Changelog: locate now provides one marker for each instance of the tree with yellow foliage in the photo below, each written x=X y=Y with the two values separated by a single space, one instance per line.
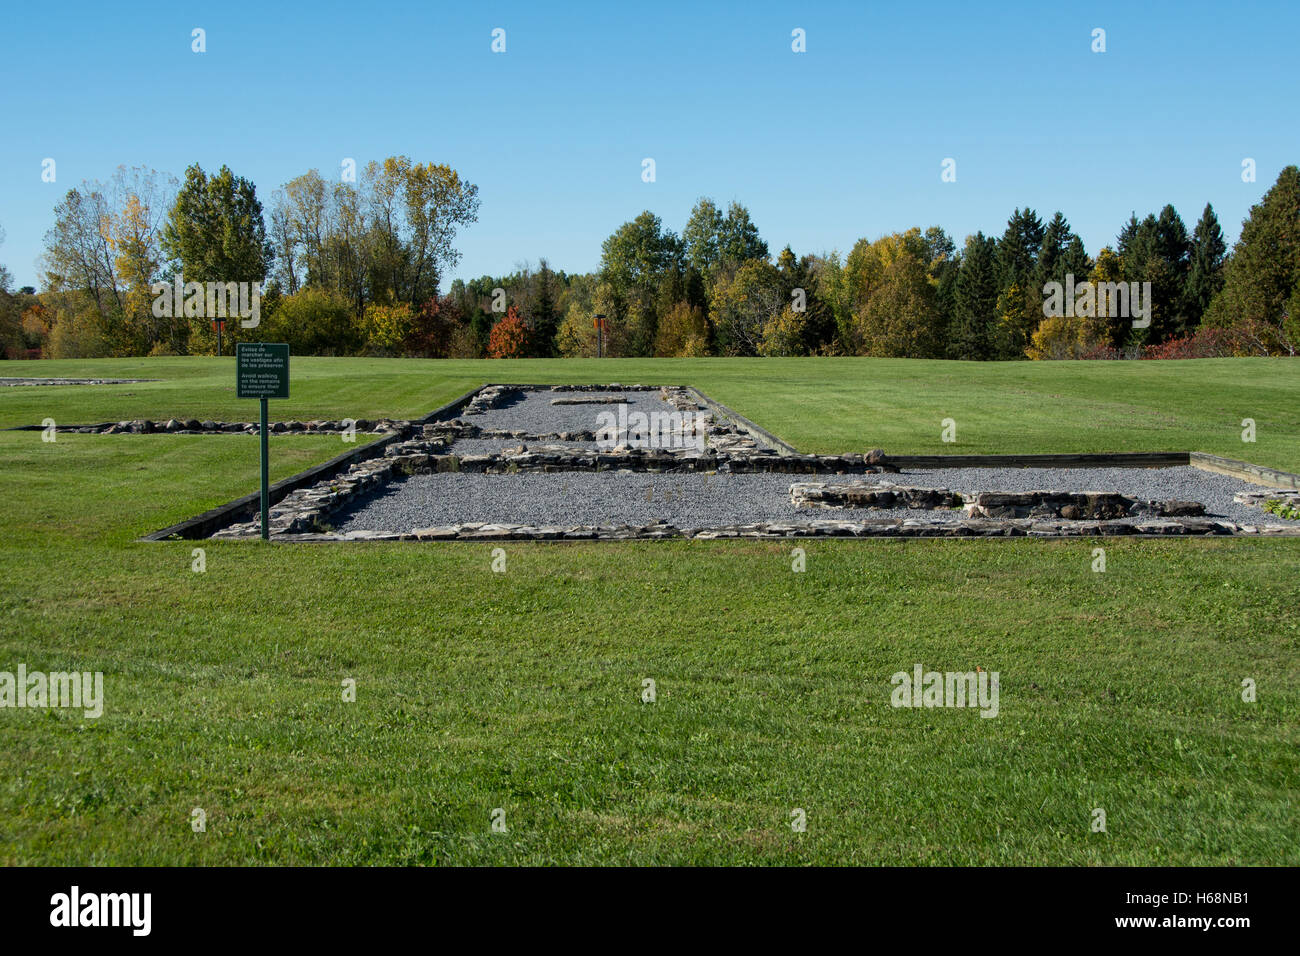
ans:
x=683 y=332
x=386 y=327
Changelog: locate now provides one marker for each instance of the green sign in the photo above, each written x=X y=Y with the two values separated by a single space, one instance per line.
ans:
x=262 y=370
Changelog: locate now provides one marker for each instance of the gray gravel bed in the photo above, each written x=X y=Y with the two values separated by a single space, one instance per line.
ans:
x=1182 y=483
x=535 y=414
x=699 y=500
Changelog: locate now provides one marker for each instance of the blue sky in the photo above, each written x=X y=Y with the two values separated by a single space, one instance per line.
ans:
x=843 y=141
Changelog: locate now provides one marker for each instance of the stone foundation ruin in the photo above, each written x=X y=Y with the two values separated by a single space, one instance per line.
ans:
x=498 y=452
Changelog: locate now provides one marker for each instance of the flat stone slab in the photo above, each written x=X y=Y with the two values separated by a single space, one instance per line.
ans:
x=1279 y=502
x=863 y=494
x=1075 y=505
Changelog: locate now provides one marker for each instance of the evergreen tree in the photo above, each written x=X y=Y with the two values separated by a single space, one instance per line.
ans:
x=1018 y=250
x=1124 y=241
x=1263 y=272
x=1020 y=296
x=1173 y=249
x=1205 y=277
x=545 y=315
x=1051 y=254
x=1158 y=250
x=1075 y=261
x=975 y=300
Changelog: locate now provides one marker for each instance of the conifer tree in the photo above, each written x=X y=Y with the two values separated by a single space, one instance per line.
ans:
x=975 y=300
x=1263 y=273
x=1018 y=250
x=1205 y=277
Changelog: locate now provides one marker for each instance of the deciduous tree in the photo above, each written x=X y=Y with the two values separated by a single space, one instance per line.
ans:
x=510 y=337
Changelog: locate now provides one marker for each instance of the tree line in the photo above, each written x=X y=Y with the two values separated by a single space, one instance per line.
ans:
x=357 y=268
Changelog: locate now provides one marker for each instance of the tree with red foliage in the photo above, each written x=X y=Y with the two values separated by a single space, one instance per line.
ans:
x=510 y=337
x=433 y=326
x=1205 y=342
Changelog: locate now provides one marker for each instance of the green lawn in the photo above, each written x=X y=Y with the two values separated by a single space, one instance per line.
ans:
x=842 y=404
x=521 y=690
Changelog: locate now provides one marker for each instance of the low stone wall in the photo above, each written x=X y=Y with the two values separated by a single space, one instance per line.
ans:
x=29 y=382
x=612 y=387
x=307 y=510
x=761 y=437
x=870 y=495
x=880 y=528
x=192 y=426
x=246 y=508
x=458 y=428
x=493 y=396
x=1260 y=498
x=1072 y=506
x=419 y=458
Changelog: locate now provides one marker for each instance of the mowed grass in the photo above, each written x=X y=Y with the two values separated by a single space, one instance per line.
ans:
x=523 y=690
x=819 y=405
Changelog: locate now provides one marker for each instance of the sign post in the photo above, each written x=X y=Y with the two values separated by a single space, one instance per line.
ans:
x=262 y=372
x=266 y=474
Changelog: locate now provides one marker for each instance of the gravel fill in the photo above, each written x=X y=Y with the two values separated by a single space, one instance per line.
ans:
x=702 y=501
x=535 y=414
x=1181 y=483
